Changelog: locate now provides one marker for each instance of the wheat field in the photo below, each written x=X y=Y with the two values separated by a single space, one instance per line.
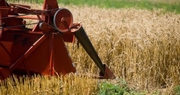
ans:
x=140 y=46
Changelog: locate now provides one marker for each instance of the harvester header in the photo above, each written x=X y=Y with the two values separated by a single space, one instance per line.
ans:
x=41 y=49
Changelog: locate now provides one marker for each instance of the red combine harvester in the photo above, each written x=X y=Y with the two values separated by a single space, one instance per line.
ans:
x=41 y=49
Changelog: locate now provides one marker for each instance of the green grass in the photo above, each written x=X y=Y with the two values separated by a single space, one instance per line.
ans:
x=139 y=4
x=177 y=90
x=120 y=88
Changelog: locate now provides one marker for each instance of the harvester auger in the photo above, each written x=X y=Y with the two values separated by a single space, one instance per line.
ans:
x=41 y=49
